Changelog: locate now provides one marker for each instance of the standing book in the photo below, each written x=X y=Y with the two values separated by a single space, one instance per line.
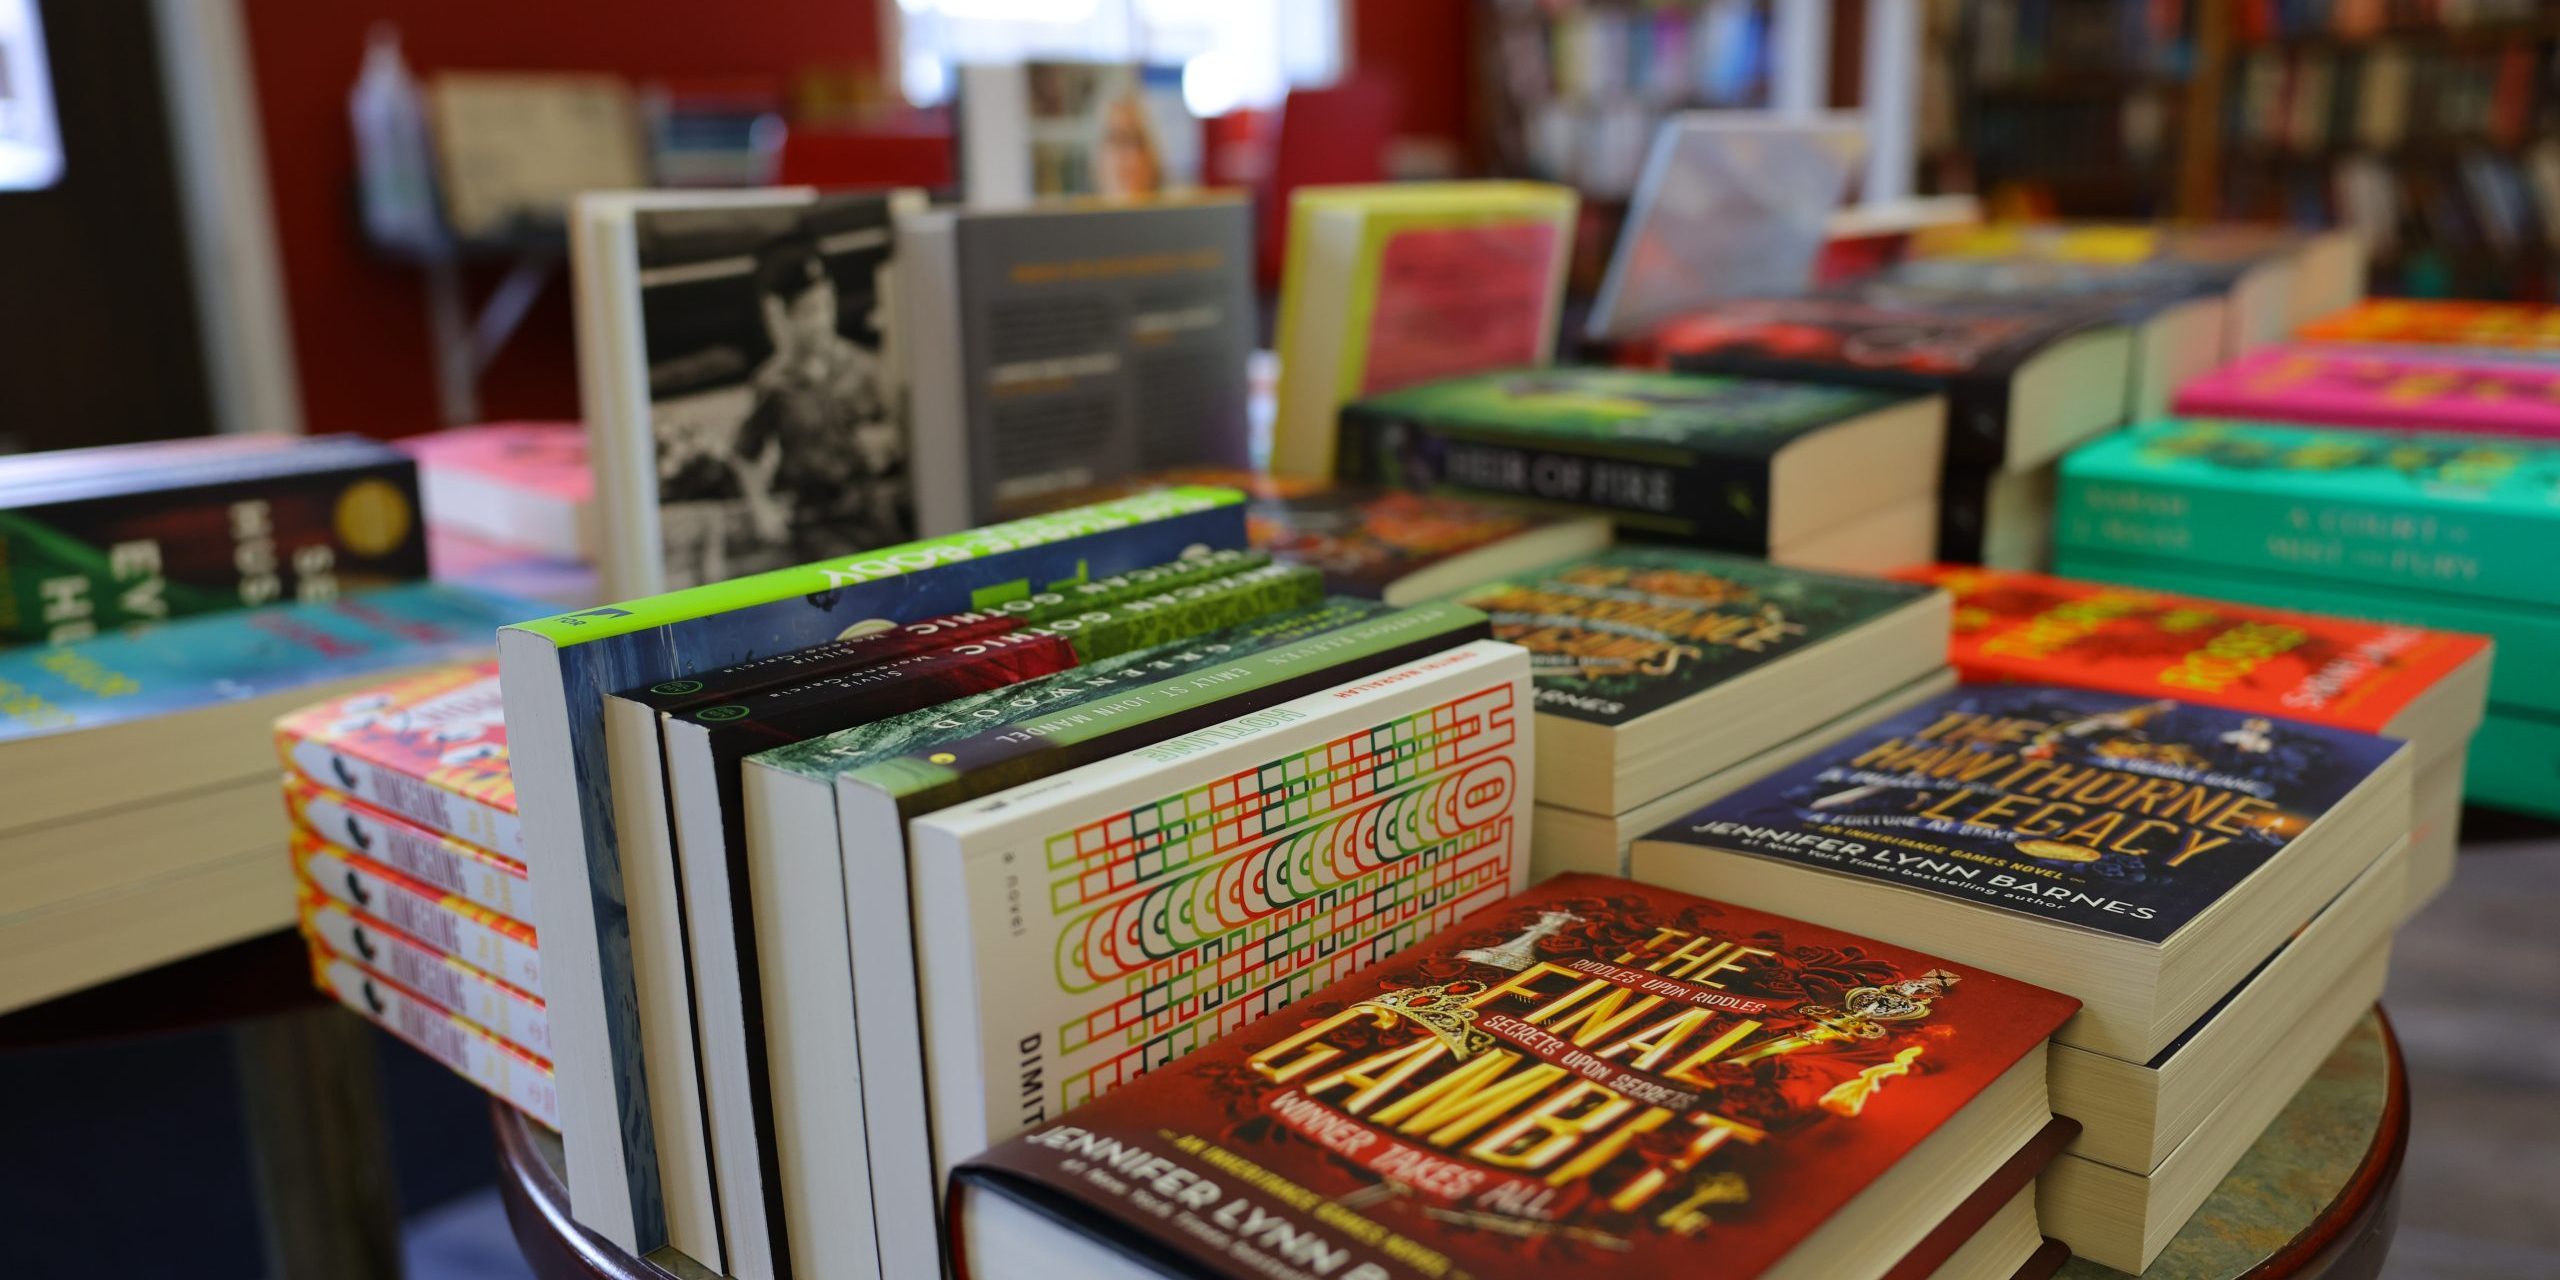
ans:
x=1594 y=1077
x=743 y=380
x=2142 y=855
x=1387 y=286
x=558 y=671
x=1823 y=476
x=1060 y=348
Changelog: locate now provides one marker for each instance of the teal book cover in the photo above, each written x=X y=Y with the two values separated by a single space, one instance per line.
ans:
x=1682 y=454
x=2460 y=515
x=1632 y=630
x=2525 y=671
x=226 y=657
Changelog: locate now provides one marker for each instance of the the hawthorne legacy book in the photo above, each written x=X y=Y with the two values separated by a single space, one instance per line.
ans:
x=2439 y=514
x=1657 y=666
x=855 y=793
x=2428 y=687
x=557 y=674
x=1802 y=473
x=2147 y=853
x=2388 y=387
x=1594 y=1077
x=1055 y=349
x=93 y=540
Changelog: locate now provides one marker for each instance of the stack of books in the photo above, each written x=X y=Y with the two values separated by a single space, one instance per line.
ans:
x=2419 y=528
x=1591 y=1078
x=904 y=852
x=141 y=826
x=2217 y=888
x=410 y=862
x=511 y=505
x=2427 y=687
x=1666 y=678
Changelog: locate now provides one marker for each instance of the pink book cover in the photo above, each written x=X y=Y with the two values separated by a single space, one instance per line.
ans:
x=2366 y=387
x=549 y=458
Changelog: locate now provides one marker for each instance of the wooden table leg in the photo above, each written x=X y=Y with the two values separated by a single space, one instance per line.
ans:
x=311 y=1096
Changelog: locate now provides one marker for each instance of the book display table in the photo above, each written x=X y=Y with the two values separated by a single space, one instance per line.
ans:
x=2316 y=1196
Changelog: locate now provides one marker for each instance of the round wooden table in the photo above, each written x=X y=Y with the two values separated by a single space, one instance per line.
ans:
x=2322 y=1183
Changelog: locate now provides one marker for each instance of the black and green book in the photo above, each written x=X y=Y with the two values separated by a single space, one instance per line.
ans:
x=827 y=823
x=1750 y=465
x=1656 y=666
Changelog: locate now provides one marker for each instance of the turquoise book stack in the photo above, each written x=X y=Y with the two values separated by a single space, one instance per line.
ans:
x=2455 y=532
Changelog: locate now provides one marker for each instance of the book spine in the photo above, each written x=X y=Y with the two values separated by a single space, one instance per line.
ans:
x=2515 y=763
x=439 y=861
x=502 y=948
x=71 y=569
x=504 y=1072
x=1713 y=502
x=1978 y=420
x=1964 y=512
x=404 y=795
x=511 y=1015
x=2444 y=548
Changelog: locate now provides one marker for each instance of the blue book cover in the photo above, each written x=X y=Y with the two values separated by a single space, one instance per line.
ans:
x=226 y=657
x=2114 y=813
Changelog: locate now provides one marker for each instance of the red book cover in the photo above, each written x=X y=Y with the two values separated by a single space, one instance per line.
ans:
x=468 y=872
x=2300 y=666
x=430 y=748
x=1594 y=1077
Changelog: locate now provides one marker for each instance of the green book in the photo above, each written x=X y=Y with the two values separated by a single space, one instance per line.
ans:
x=2525 y=672
x=827 y=857
x=1656 y=666
x=2458 y=515
x=2515 y=762
x=1741 y=464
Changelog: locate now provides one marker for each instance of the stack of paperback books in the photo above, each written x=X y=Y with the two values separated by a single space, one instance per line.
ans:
x=141 y=824
x=411 y=865
x=2217 y=888
x=1666 y=678
x=1591 y=1078
x=511 y=505
x=2445 y=531
x=2427 y=687
x=847 y=871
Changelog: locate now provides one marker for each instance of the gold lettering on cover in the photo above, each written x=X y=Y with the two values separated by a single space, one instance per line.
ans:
x=1658 y=1041
x=1686 y=1070
x=1548 y=1130
x=1316 y=1054
x=1714 y=1132
x=1467 y=1099
x=1378 y=1074
x=1599 y=1154
x=1594 y=1019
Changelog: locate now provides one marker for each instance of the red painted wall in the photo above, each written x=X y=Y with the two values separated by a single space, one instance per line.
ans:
x=1428 y=49
x=359 y=325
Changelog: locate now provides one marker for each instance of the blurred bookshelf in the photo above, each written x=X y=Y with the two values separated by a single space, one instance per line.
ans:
x=2057 y=107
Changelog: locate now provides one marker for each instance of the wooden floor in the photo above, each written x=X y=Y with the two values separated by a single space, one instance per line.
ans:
x=2475 y=996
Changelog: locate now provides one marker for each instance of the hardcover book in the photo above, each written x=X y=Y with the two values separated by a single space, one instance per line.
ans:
x=2512 y=327
x=556 y=674
x=2402 y=388
x=1656 y=666
x=1593 y=1076
x=517 y=484
x=1059 y=348
x=2448 y=514
x=501 y=1010
x=431 y=749
x=466 y=871
x=2023 y=381
x=1390 y=285
x=2150 y=852
x=502 y=948
x=94 y=540
x=856 y=791
x=1741 y=464
x=500 y=1069
x=189 y=705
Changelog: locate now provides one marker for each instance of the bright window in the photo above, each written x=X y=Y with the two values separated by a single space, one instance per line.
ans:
x=1232 y=53
x=30 y=144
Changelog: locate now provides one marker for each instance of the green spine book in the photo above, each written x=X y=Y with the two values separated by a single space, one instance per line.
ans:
x=2525 y=674
x=2461 y=515
x=2515 y=763
x=853 y=793
x=1681 y=454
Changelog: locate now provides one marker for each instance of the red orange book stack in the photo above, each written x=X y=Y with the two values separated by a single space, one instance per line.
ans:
x=413 y=885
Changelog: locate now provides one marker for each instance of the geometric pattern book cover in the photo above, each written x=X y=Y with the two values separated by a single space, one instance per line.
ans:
x=2035 y=629
x=2120 y=814
x=1635 y=629
x=1594 y=1077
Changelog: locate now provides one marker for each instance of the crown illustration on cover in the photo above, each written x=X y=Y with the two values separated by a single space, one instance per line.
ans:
x=1442 y=1010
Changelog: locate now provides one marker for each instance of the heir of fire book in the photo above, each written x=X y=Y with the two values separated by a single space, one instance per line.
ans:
x=1591 y=1078
x=2403 y=387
